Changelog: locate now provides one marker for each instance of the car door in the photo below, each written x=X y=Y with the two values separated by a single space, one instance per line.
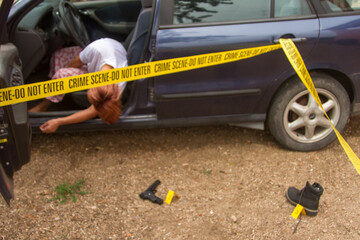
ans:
x=14 y=125
x=110 y=18
x=241 y=88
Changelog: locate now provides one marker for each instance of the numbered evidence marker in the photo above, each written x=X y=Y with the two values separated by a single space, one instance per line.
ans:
x=297 y=211
x=170 y=196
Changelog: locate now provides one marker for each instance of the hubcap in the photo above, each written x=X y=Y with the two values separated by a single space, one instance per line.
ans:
x=304 y=120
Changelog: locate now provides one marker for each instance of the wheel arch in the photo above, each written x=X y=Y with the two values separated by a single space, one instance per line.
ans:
x=341 y=77
x=293 y=88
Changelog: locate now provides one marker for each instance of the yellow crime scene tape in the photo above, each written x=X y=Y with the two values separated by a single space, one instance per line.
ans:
x=298 y=64
x=49 y=88
x=29 y=92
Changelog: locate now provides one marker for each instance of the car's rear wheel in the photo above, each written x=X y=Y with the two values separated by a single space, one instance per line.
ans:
x=298 y=123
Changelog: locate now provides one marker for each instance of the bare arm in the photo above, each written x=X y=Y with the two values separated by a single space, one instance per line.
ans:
x=83 y=115
x=76 y=63
x=106 y=67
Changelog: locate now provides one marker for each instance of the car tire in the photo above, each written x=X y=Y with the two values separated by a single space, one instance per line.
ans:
x=298 y=123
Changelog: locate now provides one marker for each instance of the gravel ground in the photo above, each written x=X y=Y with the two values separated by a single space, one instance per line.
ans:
x=231 y=182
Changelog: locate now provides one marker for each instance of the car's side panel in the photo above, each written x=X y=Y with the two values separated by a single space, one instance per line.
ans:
x=339 y=43
x=226 y=87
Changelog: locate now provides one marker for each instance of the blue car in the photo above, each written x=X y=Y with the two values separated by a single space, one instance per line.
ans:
x=262 y=92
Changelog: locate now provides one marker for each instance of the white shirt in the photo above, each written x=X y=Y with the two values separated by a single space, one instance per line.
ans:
x=104 y=51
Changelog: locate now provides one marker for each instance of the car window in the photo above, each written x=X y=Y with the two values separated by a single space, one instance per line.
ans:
x=85 y=0
x=199 y=11
x=340 y=5
x=289 y=8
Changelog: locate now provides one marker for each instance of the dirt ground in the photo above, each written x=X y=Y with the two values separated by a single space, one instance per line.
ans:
x=231 y=182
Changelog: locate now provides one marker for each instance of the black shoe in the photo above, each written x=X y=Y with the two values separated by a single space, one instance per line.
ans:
x=308 y=197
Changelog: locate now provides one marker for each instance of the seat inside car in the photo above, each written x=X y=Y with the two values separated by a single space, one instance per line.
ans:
x=134 y=43
x=138 y=39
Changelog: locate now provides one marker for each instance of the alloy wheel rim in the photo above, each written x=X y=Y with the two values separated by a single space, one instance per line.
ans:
x=305 y=122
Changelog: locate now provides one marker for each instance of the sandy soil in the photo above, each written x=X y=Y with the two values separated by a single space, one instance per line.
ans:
x=231 y=182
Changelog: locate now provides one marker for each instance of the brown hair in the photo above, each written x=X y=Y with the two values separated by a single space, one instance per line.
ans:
x=106 y=100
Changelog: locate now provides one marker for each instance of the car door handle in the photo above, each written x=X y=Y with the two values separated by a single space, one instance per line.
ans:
x=84 y=12
x=295 y=40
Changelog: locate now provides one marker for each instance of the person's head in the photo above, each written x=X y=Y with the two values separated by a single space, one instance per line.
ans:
x=106 y=100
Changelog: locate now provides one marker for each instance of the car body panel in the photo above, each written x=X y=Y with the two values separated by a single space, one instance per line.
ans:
x=339 y=39
x=230 y=84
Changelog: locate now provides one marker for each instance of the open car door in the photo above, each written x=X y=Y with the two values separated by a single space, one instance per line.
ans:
x=14 y=124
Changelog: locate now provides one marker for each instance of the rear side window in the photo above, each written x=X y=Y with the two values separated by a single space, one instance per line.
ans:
x=332 y=6
x=212 y=11
x=291 y=8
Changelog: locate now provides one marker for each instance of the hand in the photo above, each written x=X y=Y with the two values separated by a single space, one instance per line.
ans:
x=50 y=126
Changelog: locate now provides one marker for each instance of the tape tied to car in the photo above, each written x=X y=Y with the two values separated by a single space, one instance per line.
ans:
x=298 y=64
x=34 y=91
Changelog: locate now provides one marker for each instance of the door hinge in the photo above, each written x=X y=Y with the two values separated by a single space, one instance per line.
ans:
x=3 y=135
x=152 y=47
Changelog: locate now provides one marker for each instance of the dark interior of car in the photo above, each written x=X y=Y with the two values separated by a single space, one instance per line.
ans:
x=56 y=24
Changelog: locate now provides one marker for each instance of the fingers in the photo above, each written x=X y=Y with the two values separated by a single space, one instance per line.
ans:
x=43 y=127
x=49 y=127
